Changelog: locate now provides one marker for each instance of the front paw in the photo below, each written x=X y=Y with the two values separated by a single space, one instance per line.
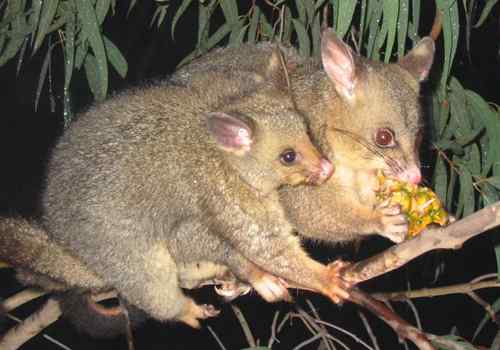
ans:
x=393 y=223
x=338 y=287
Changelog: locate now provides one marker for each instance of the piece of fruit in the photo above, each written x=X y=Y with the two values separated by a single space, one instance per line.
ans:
x=421 y=206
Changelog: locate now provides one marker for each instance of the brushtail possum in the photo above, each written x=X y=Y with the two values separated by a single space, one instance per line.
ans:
x=365 y=115
x=138 y=175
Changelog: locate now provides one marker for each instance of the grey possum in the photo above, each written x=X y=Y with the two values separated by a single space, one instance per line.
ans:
x=152 y=170
x=364 y=115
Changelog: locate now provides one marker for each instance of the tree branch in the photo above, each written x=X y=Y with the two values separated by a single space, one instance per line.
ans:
x=450 y=237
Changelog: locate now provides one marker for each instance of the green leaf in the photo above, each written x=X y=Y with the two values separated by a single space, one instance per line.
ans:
x=238 y=32
x=474 y=159
x=316 y=35
x=415 y=10
x=49 y=9
x=362 y=21
x=230 y=10
x=481 y=109
x=489 y=194
x=180 y=11
x=92 y=73
x=494 y=181
x=450 y=195
x=486 y=11
x=217 y=36
x=19 y=29
x=458 y=109
x=254 y=24
x=267 y=28
x=440 y=178
x=91 y=31
x=391 y=8
x=451 y=28
x=466 y=197
x=69 y=63
x=402 y=26
x=445 y=145
x=301 y=10
x=374 y=28
x=34 y=18
x=101 y=10
x=115 y=57
x=43 y=74
x=304 y=41
x=345 y=15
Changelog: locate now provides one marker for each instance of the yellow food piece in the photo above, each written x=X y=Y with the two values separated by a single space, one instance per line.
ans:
x=421 y=206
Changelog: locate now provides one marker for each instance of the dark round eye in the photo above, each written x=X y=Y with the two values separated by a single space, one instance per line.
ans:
x=288 y=157
x=384 y=137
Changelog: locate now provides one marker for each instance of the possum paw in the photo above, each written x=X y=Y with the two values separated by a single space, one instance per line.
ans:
x=271 y=288
x=230 y=290
x=394 y=224
x=194 y=312
x=337 y=289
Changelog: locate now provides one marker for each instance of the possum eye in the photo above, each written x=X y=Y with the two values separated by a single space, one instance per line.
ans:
x=288 y=157
x=384 y=137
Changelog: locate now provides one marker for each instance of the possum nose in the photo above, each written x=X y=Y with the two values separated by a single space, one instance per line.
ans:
x=411 y=175
x=326 y=170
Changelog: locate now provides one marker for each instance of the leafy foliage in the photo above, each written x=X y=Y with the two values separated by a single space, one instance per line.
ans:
x=466 y=129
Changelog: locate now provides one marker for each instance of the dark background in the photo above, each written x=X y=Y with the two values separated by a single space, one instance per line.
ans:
x=26 y=137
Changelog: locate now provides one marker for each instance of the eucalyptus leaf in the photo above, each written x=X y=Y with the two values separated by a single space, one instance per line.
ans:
x=486 y=11
x=101 y=9
x=391 y=9
x=440 y=178
x=345 y=16
x=254 y=23
x=115 y=57
x=402 y=25
x=180 y=11
x=466 y=196
x=304 y=41
x=90 y=27
x=49 y=9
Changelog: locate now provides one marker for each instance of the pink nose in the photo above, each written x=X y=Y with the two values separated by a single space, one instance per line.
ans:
x=326 y=169
x=411 y=175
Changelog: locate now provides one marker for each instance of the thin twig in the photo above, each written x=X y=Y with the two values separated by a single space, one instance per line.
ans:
x=342 y=330
x=31 y=326
x=369 y=330
x=322 y=327
x=462 y=288
x=216 y=338
x=273 y=337
x=244 y=326
x=415 y=313
x=21 y=298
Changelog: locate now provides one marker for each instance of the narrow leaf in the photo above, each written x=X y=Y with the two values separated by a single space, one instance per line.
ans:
x=345 y=15
x=391 y=9
x=101 y=9
x=49 y=9
x=304 y=41
x=180 y=11
x=486 y=11
x=402 y=26
x=91 y=30
x=115 y=57
x=254 y=22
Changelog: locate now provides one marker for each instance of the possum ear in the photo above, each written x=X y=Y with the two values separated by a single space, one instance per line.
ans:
x=419 y=60
x=339 y=64
x=277 y=69
x=232 y=134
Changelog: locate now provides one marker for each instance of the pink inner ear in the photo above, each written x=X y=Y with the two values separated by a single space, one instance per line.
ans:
x=338 y=62
x=230 y=132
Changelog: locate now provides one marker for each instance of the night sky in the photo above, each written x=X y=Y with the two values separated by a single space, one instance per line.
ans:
x=27 y=135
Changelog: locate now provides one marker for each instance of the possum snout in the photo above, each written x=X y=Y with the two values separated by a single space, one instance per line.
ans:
x=322 y=172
